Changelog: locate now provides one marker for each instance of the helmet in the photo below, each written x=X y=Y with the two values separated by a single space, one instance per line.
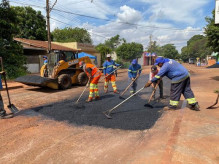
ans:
x=159 y=60
x=44 y=57
x=108 y=56
x=81 y=64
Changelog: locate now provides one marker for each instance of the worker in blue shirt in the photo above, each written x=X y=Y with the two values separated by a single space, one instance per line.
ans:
x=108 y=68
x=133 y=72
x=180 y=82
x=45 y=60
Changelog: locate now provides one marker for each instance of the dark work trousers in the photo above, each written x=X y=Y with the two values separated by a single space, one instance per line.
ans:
x=184 y=88
x=160 y=87
x=134 y=85
x=2 y=110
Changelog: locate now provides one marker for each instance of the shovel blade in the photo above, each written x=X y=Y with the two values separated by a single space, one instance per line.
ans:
x=107 y=114
x=148 y=105
x=12 y=108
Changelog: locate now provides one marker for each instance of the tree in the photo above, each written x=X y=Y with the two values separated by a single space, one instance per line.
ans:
x=32 y=24
x=114 y=42
x=169 y=51
x=154 y=48
x=212 y=33
x=196 y=47
x=129 y=51
x=69 y=34
x=11 y=51
x=103 y=50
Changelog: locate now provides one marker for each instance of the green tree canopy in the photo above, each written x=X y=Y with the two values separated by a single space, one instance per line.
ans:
x=31 y=23
x=169 y=51
x=69 y=34
x=212 y=32
x=153 y=47
x=11 y=51
x=114 y=42
x=103 y=50
x=129 y=51
x=196 y=47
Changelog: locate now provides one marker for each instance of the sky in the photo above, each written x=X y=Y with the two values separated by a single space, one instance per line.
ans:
x=166 y=21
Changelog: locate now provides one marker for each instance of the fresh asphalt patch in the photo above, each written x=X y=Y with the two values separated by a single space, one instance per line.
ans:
x=132 y=115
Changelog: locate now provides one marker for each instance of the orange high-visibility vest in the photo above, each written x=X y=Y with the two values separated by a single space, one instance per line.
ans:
x=95 y=71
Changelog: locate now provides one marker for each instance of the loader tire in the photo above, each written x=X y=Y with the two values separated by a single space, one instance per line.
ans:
x=64 y=81
x=82 y=78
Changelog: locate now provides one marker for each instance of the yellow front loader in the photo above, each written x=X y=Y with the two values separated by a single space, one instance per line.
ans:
x=61 y=72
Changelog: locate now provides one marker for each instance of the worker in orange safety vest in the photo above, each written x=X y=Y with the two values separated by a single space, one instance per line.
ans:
x=94 y=75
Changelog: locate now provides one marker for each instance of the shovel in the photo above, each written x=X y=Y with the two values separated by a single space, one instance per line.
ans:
x=11 y=106
x=152 y=94
x=212 y=106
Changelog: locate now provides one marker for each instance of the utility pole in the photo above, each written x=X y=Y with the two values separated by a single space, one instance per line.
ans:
x=48 y=10
x=48 y=25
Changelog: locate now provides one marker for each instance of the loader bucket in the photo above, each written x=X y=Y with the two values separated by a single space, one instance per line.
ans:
x=34 y=80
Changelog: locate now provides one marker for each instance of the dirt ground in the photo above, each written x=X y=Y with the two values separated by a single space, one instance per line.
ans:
x=51 y=129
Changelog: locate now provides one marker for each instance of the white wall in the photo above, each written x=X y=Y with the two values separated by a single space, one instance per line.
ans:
x=33 y=68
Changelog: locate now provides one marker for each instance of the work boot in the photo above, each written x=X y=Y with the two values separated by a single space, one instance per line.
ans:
x=166 y=108
x=195 y=107
x=6 y=116
x=89 y=99
x=115 y=91
x=97 y=98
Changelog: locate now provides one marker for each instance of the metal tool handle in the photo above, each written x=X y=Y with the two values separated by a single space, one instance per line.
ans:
x=83 y=92
x=110 y=73
x=126 y=100
x=129 y=85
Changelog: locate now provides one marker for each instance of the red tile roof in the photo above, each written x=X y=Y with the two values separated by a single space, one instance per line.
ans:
x=43 y=44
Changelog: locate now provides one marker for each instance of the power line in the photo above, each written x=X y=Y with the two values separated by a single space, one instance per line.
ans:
x=127 y=23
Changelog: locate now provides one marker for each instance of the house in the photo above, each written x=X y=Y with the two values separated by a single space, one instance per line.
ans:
x=147 y=58
x=34 y=50
x=84 y=47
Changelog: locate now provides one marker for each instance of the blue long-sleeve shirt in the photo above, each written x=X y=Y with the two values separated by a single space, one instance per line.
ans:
x=108 y=66
x=1 y=87
x=133 y=70
x=173 y=70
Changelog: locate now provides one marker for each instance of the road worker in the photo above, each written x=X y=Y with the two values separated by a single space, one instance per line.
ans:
x=94 y=75
x=180 y=82
x=108 y=68
x=153 y=73
x=45 y=63
x=133 y=72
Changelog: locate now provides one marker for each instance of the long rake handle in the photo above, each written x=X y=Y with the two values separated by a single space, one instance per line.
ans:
x=109 y=74
x=129 y=85
x=83 y=92
x=125 y=100
x=6 y=85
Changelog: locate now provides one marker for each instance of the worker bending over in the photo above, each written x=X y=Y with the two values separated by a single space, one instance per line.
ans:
x=94 y=75
x=108 y=68
x=133 y=72
x=180 y=82
x=153 y=73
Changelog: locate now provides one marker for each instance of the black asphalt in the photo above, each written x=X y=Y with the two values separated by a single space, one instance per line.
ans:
x=132 y=115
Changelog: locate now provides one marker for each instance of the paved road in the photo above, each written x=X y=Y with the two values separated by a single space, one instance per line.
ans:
x=132 y=115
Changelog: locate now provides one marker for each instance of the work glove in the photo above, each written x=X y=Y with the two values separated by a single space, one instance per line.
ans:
x=148 y=84
x=88 y=84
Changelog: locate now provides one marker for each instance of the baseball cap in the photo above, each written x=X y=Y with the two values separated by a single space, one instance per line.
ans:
x=159 y=60
x=134 y=61
x=108 y=55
